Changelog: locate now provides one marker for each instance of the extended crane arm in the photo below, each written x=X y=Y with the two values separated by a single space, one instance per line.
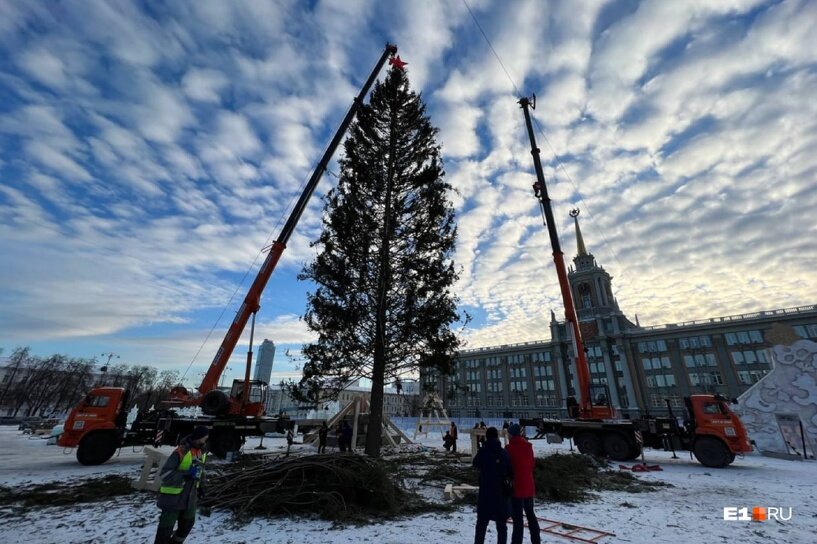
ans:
x=252 y=302
x=540 y=190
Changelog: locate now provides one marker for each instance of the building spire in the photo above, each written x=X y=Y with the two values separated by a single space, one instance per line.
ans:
x=574 y=213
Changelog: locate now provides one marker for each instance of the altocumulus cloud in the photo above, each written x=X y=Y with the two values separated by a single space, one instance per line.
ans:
x=146 y=152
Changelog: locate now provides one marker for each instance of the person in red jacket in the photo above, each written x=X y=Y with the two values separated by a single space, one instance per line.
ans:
x=522 y=462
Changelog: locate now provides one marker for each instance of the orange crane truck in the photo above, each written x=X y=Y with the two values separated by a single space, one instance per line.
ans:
x=97 y=426
x=711 y=431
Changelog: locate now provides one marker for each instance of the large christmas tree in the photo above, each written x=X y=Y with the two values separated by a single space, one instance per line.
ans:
x=383 y=307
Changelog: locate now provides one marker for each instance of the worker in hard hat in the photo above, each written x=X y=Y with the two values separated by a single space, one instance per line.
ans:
x=181 y=476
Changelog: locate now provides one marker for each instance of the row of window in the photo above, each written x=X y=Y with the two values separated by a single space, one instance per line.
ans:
x=750 y=356
x=695 y=342
x=597 y=368
x=705 y=378
x=654 y=363
x=542 y=371
x=542 y=398
x=546 y=385
x=700 y=359
x=593 y=351
x=652 y=346
x=659 y=401
x=516 y=358
x=744 y=337
x=519 y=386
x=806 y=331
x=547 y=400
x=661 y=380
x=513 y=372
x=749 y=377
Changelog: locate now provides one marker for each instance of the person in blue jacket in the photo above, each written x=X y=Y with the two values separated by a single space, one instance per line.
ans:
x=493 y=503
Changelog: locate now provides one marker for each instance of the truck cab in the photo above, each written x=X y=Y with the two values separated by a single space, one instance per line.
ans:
x=718 y=434
x=219 y=403
x=95 y=425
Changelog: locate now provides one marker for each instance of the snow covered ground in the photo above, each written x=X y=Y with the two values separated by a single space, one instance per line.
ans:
x=690 y=511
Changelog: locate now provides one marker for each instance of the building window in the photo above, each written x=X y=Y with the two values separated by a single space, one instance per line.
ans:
x=652 y=346
x=541 y=357
x=656 y=363
x=700 y=359
x=695 y=342
x=584 y=296
x=546 y=400
x=806 y=331
x=744 y=337
x=715 y=378
x=539 y=371
x=749 y=357
x=546 y=385
x=705 y=378
x=661 y=380
x=660 y=401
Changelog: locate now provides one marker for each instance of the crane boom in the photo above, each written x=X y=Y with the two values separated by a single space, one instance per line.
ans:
x=586 y=408
x=252 y=301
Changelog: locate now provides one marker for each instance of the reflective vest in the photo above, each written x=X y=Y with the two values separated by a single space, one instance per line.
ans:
x=184 y=465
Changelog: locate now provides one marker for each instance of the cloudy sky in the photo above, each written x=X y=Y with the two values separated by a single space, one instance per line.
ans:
x=149 y=151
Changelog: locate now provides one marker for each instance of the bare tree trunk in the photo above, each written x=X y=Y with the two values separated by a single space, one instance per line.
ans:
x=374 y=438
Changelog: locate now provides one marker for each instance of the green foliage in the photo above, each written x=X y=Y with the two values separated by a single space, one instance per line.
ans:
x=383 y=306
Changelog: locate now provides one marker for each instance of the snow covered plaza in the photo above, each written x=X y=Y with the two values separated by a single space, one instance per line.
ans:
x=692 y=510
x=275 y=271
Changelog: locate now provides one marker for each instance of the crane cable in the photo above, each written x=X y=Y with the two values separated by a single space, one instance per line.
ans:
x=547 y=141
x=284 y=213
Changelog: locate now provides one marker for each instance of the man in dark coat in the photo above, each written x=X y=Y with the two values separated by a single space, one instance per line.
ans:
x=523 y=463
x=346 y=431
x=181 y=477
x=494 y=466
x=323 y=434
x=339 y=436
x=448 y=441
x=453 y=432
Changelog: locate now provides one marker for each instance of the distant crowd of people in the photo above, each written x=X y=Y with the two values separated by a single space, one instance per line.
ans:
x=343 y=436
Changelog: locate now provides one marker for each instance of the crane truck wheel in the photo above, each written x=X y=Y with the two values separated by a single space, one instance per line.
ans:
x=635 y=451
x=96 y=448
x=215 y=403
x=588 y=443
x=617 y=446
x=711 y=452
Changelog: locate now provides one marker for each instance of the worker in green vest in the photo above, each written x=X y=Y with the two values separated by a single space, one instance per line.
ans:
x=181 y=485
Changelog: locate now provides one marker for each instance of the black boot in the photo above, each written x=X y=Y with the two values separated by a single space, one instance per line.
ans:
x=163 y=535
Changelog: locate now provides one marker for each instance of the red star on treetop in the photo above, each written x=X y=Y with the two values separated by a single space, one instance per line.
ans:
x=397 y=62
